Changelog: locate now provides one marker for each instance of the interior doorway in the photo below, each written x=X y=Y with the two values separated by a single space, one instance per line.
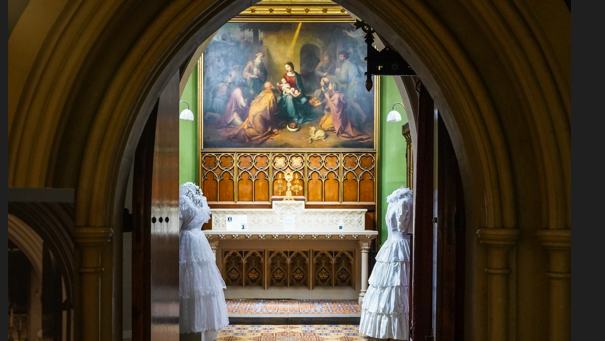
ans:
x=433 y=250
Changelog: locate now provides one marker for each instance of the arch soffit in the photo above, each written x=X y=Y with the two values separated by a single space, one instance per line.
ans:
x=117 y=123
x=52 y=223
x=27 y=240
x=493 y=167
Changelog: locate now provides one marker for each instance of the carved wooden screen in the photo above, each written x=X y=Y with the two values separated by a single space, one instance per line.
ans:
x=319 y=177
x=289 y=268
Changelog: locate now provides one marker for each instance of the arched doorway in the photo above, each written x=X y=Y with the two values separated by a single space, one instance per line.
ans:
x=39 y=280
x=457 y=49
x=310 y=52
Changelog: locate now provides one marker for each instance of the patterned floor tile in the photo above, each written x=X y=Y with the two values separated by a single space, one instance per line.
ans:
x=291 y=333
x=268 y=307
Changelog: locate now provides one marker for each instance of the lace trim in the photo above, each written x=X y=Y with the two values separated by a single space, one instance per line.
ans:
x=402 y=199
x=194 y=193
x=191 y=197
x=398 y=194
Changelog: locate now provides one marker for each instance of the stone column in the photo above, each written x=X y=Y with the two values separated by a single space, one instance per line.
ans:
x=365 y=249
x=558 y=244
x=90 y=242
x=499 y=241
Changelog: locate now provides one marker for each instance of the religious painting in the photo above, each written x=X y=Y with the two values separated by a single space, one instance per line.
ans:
x=294 y=85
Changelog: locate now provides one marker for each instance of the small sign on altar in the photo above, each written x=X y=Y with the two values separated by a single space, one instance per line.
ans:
x=237 y=222
x=289 y=222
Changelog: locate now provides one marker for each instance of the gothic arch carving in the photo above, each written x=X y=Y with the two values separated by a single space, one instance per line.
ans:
x=415 y=29
x=80 y=92
x=27 y=240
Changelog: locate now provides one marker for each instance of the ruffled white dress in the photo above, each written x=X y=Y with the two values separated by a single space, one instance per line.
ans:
x=385 y=308
x=202 y=302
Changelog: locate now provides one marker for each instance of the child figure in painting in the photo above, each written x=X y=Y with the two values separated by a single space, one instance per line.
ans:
x=287 y=89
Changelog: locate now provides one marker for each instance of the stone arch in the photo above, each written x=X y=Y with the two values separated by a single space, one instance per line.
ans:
x=499 y=73
x=425 y=40
x=27 y=240
x=50 y=225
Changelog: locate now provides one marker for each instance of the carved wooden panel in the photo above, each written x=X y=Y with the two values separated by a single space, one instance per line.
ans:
x=217 y=175
x=253 y=177
x=343 y=268
x=322 y=269
x=278 y=268
x=298 y=273
x=320 y=177
x=233 y=267
x=289 y=268
x=254 y=268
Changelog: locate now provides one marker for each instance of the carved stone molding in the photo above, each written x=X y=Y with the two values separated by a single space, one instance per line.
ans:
x=214 y=246
x=558 y=245
x=90 y=242
x=499 y=242
x=499 y=236
x=555 y=239
x=92 y=236
x=251 y=235
x=365 y=245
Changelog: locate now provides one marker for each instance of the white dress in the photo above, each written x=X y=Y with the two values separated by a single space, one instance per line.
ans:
x=385 y=308
x=202 y=302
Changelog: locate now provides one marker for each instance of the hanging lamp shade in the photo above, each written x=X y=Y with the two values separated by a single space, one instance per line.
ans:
x=394 y=115
x=186 y=114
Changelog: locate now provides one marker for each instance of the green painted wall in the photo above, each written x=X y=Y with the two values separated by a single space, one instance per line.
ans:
x=188 y=166
x=392 y=146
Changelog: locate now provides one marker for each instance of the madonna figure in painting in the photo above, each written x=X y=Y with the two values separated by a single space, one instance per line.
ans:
x=295 y=109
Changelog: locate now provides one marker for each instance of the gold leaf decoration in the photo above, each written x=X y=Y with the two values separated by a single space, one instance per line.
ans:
x=253 y=275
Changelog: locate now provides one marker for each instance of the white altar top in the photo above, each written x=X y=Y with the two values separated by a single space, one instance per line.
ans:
x=289 y=219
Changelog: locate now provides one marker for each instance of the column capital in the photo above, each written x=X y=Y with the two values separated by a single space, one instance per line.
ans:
x=92 y=236
x=503 y=237
x=213 y=244
x=365 y=245
x=555 y=239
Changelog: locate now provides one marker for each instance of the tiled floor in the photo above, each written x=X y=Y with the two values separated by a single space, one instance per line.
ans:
x=293 y=307
x=290 y=333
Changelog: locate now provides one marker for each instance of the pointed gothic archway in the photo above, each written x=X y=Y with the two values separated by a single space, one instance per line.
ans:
x=500 y=74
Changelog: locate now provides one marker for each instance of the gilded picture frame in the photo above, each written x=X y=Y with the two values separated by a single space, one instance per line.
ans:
x=343 y=114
